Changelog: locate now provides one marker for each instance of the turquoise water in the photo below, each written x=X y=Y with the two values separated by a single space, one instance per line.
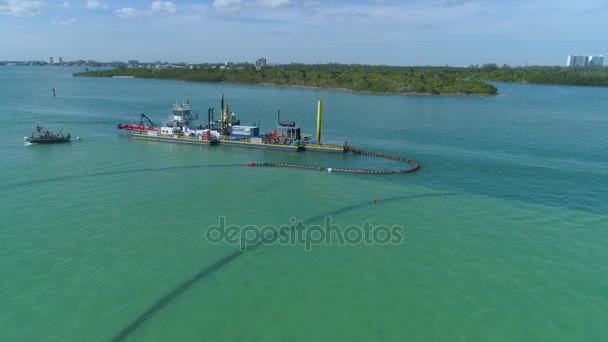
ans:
x=504 y=227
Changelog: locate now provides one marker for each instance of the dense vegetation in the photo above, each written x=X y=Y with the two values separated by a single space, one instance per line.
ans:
x=582 y=76
x=377 y=79
x=359 y=78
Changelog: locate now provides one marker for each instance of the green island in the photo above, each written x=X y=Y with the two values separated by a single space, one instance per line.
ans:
x=446 y=80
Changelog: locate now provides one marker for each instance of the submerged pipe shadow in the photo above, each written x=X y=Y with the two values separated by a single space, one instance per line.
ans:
x=224 y=261
x=112 y=173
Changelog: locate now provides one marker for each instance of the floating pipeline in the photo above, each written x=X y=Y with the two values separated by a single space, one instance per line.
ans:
x=414 y=166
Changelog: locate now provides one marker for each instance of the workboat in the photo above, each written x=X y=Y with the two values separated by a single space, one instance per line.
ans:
x=42 y=136
x=227 y=130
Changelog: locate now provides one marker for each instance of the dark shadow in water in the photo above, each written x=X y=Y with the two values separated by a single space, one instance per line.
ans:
x=224 y=261
x=111 y=173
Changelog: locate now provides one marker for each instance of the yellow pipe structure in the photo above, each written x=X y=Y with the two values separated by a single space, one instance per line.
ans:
x=224 y=117
x=222 y=114
x=227 y=120
x=319 y=115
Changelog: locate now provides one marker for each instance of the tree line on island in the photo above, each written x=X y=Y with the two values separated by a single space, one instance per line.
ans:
x=376 y=79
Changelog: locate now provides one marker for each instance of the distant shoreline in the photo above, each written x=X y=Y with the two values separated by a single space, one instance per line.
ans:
x=361 y=92
x=346 y=90
x=377 y=80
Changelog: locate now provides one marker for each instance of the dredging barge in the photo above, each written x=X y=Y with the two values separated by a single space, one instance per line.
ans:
x=227 y=130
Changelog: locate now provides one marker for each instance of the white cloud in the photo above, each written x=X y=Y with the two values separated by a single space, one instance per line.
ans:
x=92 y=4
x=352 y=14
x=162 y=8
x=127 y=12
x=228 y=5
x=65 y=22
x=65 y=4
x=241 y=5
x=21 y=8
x=273 y=4
x=158 y=8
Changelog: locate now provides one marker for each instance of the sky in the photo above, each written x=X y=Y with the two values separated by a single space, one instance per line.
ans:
x=377 y=32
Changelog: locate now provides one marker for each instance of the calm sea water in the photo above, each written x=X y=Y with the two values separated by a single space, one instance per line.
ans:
x=504 y=227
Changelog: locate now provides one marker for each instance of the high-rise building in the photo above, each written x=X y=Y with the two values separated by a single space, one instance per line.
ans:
x=51 y=60
x=596 y=61
x=59 y=60
x=260 y=63
x=582 y=61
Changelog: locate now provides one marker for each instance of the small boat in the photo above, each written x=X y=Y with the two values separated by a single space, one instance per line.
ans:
x=42 y=136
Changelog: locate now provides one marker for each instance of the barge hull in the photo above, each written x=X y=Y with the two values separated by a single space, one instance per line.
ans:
x=48 y=141
x=172 y=139
x=262 y=146
x=324 y=148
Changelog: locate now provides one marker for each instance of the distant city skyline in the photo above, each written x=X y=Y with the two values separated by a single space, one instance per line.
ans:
x=583 y=61
x=387 y=32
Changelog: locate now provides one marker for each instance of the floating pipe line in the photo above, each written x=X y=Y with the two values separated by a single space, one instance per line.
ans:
x=414 y=165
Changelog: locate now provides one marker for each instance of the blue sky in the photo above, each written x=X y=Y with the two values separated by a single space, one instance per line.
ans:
x=389 y=32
